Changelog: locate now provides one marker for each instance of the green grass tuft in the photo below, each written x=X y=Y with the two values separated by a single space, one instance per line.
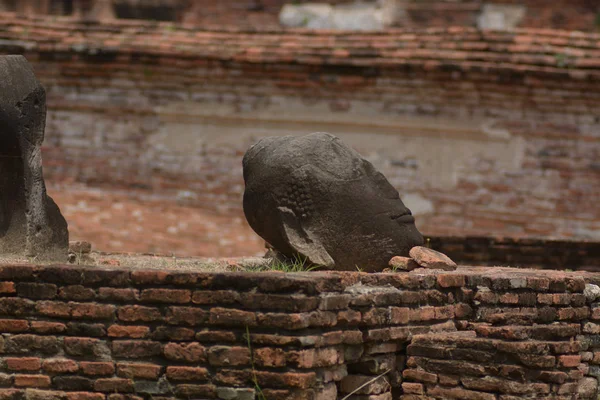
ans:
x=295 y=264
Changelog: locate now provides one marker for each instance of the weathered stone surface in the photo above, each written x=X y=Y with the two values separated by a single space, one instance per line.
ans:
x=314 y=196
x=30 y=222
x=432 y=259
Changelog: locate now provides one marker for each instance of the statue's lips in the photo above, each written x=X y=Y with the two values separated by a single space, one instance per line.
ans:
x=403 y=219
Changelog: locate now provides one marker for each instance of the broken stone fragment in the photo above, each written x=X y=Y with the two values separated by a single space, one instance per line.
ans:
x=432 y=259
x=403 y=263
x=30 y=222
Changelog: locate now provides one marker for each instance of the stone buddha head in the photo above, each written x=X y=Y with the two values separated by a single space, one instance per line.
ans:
x=315 y=197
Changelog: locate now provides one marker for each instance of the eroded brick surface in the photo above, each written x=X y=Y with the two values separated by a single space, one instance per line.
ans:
x=476 y=333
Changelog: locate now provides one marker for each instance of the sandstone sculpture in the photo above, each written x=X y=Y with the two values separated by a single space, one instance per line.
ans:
x=30 y=222
x=316 y=197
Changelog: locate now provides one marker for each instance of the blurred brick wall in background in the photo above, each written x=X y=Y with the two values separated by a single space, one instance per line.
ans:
x=482 y=133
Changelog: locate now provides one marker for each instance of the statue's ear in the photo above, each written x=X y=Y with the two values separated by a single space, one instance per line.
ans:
x=302 y=240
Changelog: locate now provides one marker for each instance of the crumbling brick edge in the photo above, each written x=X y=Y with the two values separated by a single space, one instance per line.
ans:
x=87 y=333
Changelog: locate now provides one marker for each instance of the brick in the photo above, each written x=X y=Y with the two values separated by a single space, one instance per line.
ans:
x=172 y=296
x=133 y=332
x=230 y=317
x=420 y=376
x=458 y=393
x=118 y=295
x=538 y=284
x=60 y=274
x=284 y=321
x=37 y=291
x=209 y=297
x=149 y=277
x=233 y=377
x=112 y=385
x=216 y=336
x=195 y=391
x=141 y=371
x=269 y=357
x=509 y=298
x=189 y=316
x=412 y=388
x=23 y=364
x=173 y=333
x=86 y=347
x=349 y=317
x=187 y=374
x=399 y=315
x=7 y=288
x=287 y=302
x=237 y=393
x=493 y=384
x=105 y=277
x=139 y=314
x=569 y=361
x=12 y=394
x=76 y=293
x=223 y=356
x=97 y=368
x=60 y=366
x=352 y=337
x=450 y=280
x=445 y=312
x=84 y=396
x=316 y=358
x=17 y=272
x=375 y=316
x=286 y=379
x=16 y=307
x=116 y=396
x=72 y=383
x=55 y=309
x=136 y=348
x=186 y=352
x=448 y=380
x=86 y=329
x=426 y=313
x=44 y=327
x=32 y=381
x=13 y=325
x=331 y=301
x=24 y=344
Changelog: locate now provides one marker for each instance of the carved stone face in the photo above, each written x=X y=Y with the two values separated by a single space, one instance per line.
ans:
x=30 y=222
x=316 y=197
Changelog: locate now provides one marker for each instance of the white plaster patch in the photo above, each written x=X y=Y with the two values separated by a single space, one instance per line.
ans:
x=500 y=16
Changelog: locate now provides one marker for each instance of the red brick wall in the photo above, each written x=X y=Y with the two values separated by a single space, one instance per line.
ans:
x=89 y=333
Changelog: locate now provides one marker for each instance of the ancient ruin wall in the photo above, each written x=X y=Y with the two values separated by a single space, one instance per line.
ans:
x=74 y=333
x=481 y=132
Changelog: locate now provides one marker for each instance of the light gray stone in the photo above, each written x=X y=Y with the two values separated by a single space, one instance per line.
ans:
x=591 y=292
